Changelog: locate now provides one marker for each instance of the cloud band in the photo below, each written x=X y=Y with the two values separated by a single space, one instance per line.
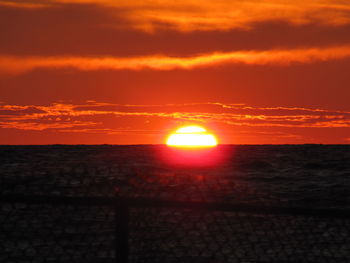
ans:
x=14 y=64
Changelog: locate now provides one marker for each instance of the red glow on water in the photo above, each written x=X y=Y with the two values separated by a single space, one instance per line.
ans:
x=200 y=177
x=194 y=157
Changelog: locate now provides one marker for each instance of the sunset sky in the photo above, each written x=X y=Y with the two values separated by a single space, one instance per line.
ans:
x=131 y=71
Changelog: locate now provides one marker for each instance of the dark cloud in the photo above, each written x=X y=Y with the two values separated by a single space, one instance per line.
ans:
x=93 y=30
x=19 y=111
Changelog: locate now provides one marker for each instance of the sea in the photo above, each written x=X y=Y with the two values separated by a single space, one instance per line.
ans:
x=289 y=174
x=306 y=176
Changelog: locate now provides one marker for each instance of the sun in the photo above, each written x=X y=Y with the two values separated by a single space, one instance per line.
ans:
x=191 y=136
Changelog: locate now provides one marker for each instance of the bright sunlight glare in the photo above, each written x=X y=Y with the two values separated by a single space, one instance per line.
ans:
x=191 y=129
x=191 y=136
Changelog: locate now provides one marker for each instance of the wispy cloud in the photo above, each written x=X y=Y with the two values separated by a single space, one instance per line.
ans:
x=184 y=15
x=13 y=64
x=190 y=15
x=25 y=5
x=114 y=118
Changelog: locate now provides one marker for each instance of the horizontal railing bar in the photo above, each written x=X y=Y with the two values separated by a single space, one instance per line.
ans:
x=158 y=203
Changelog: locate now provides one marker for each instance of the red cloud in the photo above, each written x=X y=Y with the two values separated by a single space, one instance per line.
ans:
x=184 y=15
x=94 y=115
x=277 y=57
x=247 y=123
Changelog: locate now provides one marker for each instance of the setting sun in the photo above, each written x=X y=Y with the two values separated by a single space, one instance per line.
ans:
x=191 y=136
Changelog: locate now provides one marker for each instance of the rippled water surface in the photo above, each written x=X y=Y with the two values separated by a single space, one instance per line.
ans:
x=317 y=175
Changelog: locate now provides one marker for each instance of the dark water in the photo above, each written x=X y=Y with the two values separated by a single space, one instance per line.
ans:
x=282 y=175
x=317 y=175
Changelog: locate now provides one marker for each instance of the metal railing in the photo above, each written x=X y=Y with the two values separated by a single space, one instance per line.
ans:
x=73 y=229
x=113 y=214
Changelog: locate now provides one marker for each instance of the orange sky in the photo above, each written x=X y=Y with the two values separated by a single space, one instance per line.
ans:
x=129 y=72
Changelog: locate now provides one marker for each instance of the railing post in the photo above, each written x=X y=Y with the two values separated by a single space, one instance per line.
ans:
x=122 y=231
